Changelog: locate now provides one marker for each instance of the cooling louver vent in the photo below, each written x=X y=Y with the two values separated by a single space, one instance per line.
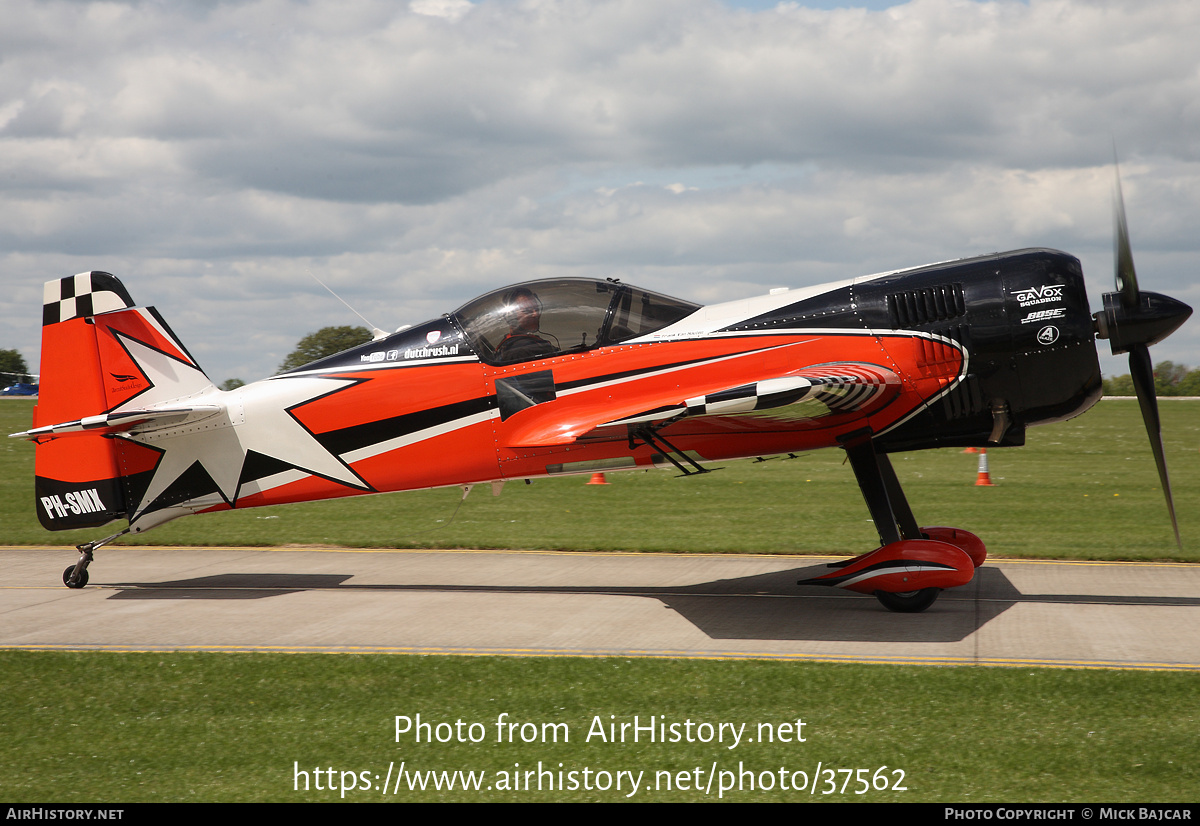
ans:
x=916 y=307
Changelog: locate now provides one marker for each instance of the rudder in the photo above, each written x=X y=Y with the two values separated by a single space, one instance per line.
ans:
x=101 y=355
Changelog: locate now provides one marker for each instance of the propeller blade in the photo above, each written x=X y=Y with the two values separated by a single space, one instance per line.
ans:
x=1132 y=321
x=1142 y=373
x=1126 y=277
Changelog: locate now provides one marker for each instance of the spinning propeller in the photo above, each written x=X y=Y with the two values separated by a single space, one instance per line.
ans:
x=1132 y=320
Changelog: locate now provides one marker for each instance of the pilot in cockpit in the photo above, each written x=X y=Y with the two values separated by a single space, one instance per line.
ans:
x=523 y=311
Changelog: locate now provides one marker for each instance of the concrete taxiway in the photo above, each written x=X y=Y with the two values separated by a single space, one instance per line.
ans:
x=1015 y=613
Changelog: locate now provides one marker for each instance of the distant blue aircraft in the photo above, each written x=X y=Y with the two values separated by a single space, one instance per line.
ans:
x=20 y=389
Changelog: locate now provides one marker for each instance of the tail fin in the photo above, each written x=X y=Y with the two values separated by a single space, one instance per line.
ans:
x=103 y=361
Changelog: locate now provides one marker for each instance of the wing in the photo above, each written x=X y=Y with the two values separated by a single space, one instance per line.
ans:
x=809 y=394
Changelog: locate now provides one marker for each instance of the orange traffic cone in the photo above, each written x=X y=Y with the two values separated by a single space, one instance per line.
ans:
x=983 y=479
x=971 y=450
x=597 y=479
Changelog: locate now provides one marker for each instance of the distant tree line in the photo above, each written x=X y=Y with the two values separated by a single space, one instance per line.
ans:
x=1170 y=379
x=327 y=341
x=13 y=368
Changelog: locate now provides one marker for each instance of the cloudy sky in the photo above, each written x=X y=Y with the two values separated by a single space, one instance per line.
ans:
x=415 y=154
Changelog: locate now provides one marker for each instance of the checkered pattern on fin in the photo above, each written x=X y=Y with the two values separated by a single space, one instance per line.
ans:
x=85 y=294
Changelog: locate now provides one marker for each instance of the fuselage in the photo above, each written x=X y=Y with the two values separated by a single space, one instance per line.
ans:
x=977 y=350
x=557 y=377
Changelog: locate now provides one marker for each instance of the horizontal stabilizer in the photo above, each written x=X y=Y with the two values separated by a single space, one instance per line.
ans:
x=128 y=421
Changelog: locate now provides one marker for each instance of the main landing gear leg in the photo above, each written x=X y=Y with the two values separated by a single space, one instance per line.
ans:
x=881 y=489
x=892 y=515
x=912 y=566
x=76 y=576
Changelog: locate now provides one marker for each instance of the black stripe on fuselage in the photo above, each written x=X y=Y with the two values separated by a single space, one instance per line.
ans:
x=364 y=435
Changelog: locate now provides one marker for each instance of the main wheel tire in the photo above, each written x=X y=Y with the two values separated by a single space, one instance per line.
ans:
x=908 y=602
x=83 y=578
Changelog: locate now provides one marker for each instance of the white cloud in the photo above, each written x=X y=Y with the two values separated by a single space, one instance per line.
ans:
x=449 y=9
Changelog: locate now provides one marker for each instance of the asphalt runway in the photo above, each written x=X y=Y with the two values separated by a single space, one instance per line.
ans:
x=1014 y=613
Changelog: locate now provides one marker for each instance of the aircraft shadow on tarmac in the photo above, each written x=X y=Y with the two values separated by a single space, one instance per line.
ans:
x=761 y=607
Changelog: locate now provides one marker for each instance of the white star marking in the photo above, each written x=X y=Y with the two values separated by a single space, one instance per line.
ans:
x=253 y=418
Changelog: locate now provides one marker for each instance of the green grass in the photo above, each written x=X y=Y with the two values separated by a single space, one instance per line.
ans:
x=155 y=727
x=1083 y=489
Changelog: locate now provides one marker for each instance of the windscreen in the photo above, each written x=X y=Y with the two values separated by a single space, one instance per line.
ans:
x=540 y=319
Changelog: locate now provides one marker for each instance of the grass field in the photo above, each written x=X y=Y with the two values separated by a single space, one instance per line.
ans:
x=1084 y=489
x=188 y=727
x=102 y=727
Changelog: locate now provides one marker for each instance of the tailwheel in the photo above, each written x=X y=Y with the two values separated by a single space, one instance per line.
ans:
x=71 y=581
x=908 y=602
x=77 y=576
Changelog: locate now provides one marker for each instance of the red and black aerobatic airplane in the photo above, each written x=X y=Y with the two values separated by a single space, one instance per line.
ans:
x=577 y=376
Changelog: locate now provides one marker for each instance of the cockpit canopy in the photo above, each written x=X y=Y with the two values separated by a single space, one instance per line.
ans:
x=539 y=319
